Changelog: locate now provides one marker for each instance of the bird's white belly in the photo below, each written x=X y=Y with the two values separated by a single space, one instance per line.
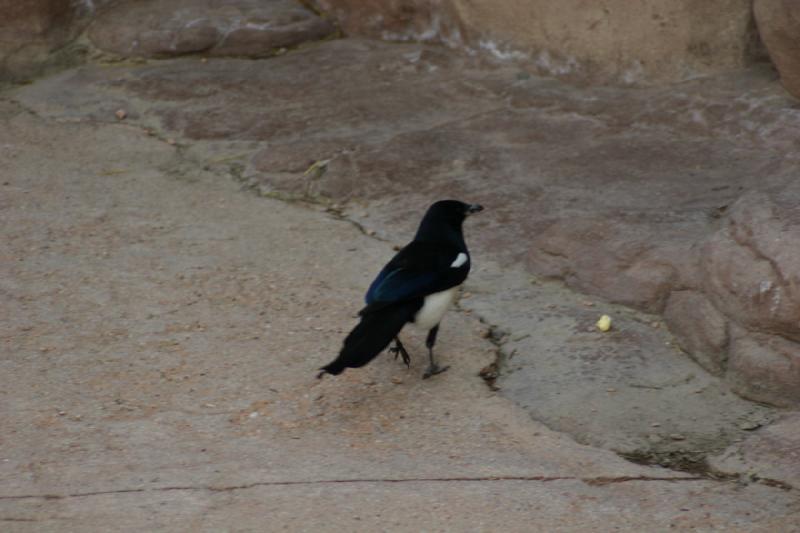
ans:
x=433 y=309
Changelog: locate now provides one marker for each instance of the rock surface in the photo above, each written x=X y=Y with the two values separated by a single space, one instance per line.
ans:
x=245 y=28
x=596 y=41
x=165 y=326
x=702 y=331
x=770 y=453
x=751 y=263
x=158 y=371
x=622 y=186
x=779 y=27
x=629 y=389
x=765 y=368
x=31 y=31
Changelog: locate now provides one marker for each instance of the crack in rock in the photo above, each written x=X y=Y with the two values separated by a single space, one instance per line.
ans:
x=593 y=481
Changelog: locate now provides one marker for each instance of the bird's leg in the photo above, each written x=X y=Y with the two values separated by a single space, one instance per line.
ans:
x=433 y=368
x=398 y=348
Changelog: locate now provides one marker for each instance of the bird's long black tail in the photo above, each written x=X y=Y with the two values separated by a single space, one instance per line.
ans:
x=371 y=336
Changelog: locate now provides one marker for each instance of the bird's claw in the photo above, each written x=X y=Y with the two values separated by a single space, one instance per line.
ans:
x=432 y=370
x=397 y=350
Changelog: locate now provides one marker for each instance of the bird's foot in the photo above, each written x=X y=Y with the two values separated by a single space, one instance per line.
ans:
x=399 y=350
x=432 y=370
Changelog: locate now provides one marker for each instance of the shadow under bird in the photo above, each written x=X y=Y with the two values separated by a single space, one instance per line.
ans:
x=416 y=286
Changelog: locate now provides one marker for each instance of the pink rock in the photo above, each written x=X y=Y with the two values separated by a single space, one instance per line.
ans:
x=765 y=368
x=246 y=28
x=752 y=264
x=607 y=258
x=771 y=453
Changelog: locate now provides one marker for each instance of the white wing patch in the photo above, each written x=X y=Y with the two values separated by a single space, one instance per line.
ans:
x=459 y=260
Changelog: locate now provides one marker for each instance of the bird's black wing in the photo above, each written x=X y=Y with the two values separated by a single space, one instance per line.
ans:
x=419 y=269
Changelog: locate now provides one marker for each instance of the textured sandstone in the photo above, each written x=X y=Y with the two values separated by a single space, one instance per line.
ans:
x=604 y=40
x=246 y=28
x=752 y=264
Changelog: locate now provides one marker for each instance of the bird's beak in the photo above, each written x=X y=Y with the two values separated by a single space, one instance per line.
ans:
x=474 y=208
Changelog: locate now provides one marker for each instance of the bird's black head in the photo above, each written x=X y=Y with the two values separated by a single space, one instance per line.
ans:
x=445 y=216
x=453 y=210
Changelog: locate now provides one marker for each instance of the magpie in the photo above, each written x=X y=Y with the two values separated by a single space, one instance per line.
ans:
x=416 y=286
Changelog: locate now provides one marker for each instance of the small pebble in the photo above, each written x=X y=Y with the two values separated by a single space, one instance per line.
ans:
x=677 y=436
x=655 y=424
x=121 y=114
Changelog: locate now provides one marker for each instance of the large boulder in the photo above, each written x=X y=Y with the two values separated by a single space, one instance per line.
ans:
x=751 y=275
x=31 y=31
x=602 y=40
x=765 y=368
x=779 y=26
x=752 y=264
x=246 y=28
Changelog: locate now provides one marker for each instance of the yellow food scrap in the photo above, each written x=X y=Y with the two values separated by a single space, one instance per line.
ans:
x=604 y=324
x=317 y=169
